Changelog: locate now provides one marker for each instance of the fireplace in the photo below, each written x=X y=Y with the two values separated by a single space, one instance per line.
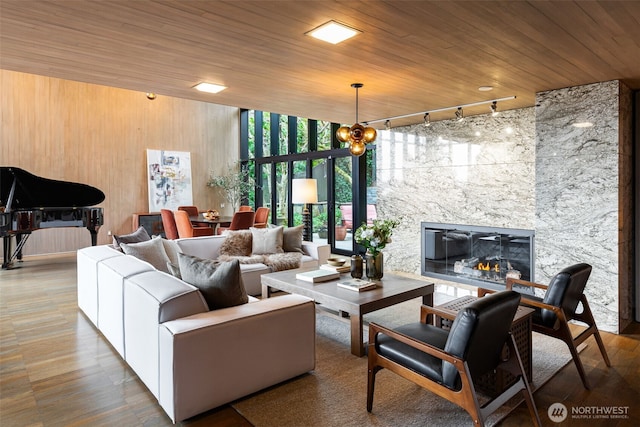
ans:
x=476 y=255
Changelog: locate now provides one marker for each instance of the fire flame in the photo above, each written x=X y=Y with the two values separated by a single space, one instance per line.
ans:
x=487 y=267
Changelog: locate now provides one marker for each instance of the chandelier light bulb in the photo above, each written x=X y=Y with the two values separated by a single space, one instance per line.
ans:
x=370 y=134
x=343 y=133
x=357 y=148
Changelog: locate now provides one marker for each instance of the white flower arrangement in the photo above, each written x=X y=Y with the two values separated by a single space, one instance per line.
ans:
x=374 y=237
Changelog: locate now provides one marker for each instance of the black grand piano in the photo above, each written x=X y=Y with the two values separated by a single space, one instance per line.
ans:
x=29 y=202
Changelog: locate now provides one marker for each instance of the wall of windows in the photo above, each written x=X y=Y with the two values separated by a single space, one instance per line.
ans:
x=277 y=148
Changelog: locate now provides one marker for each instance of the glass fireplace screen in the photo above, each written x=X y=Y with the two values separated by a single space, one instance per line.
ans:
x=477 y=255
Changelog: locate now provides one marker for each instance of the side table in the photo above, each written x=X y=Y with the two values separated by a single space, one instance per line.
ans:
x=494 y=382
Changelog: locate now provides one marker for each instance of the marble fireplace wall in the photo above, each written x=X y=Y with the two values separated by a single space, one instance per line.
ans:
x=581 y=180
x=479 y=172
x=526 y=168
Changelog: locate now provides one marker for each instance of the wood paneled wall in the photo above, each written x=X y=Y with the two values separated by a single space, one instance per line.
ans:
x=99 y=135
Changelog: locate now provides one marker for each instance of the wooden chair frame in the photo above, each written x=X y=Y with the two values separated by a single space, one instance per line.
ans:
x=466 y=397
x=561 y=328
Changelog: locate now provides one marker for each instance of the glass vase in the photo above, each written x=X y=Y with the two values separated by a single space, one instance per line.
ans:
x=356 y=267
x=375 y=264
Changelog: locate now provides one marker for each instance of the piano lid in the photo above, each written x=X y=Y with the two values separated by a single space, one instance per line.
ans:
x=20 y=189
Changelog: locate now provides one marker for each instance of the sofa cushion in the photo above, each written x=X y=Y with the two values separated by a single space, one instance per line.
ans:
x=267 y=240
x=237 y=243
x=140 y=235
x=220 y=283
x=207 y=247
x=151 y=251
x=174 y=269
x=172 y=249
x=292 y=239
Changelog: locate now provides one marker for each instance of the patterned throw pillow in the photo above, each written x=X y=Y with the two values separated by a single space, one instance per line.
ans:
x=220 y=283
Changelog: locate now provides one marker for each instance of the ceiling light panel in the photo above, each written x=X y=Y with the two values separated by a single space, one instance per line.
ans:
x=209 y=87
x=333 y=32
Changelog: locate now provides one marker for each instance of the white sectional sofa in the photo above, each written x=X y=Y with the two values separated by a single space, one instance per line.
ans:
x=190 y=358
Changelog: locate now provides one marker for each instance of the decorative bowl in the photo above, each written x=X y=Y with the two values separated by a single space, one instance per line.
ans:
x=336 y=262
x=210 y=214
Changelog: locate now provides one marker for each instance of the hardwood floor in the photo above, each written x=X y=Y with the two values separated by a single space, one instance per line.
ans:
x=57 y=370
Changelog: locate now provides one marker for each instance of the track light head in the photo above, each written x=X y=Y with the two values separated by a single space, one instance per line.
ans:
x=459 y=113
x=387 y=124
x=427 y=120
x=494 y=108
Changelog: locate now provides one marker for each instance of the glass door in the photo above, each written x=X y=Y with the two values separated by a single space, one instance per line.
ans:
x=343 y=206
x=319 y=211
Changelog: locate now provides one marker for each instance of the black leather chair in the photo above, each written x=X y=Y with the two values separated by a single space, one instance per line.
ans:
x=446 y=362
x=559 y=305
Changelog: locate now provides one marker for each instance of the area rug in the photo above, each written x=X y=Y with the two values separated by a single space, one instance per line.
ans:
x=334 y=394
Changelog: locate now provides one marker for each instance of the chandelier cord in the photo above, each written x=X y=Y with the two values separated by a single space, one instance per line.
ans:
x=357 y=105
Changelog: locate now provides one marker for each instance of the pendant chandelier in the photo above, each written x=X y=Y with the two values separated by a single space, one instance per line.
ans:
x=357 y=136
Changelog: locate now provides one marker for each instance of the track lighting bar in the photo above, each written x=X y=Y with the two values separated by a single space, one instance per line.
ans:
x=437 y=110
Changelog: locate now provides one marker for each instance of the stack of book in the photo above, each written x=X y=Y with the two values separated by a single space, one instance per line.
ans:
x=357 y=285
x=315 y=276
x=339 y=269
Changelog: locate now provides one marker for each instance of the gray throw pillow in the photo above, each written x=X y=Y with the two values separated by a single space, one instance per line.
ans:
x=220 y=283
x=292 y=239
x=267 y=240
x=237 y=243
x=140 y=235
x=151 y=251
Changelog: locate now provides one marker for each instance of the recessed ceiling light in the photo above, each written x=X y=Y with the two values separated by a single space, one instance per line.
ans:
x=485 y=88
x=333 y=32
x=582 y=125
x=209 y=87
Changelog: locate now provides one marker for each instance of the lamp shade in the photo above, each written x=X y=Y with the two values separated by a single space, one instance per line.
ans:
x=304 y=191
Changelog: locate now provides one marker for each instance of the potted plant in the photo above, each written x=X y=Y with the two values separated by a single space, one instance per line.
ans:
x=320 y=221
x=235 y=183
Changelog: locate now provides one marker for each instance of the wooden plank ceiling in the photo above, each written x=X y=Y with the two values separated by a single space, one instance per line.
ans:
x=412 y=56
